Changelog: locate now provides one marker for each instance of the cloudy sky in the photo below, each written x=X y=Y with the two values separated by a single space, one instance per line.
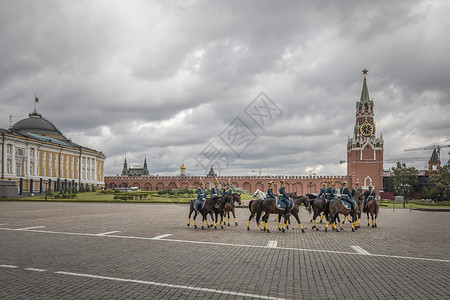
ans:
x=177 y=81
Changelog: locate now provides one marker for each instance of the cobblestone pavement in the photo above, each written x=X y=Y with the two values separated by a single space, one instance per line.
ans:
x=138 y=251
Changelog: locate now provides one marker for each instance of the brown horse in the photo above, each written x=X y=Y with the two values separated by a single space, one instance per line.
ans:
x=253 y=207
x=372 y=208
x=295 y=210
x=207 y=209
x=336 y=207
x=269 y=206
x=229 y=206
x=318 y=206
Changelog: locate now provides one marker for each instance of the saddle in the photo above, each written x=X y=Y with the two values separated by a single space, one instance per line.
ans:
x=347 y=205
x=282 y=205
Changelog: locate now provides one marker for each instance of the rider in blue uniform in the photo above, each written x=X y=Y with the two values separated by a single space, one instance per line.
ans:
x=201 y=197
x=323 y=190
x=284 y=197
x=346 y=196
x=330 y=192
x=270 y=191
x=215 y=189
x=228 y=190
x=356 y=189
x=368 y=196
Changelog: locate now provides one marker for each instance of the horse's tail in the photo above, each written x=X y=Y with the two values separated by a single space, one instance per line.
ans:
x=250 y=205
x=311 y=202
x=375 y=206
x=327 y=208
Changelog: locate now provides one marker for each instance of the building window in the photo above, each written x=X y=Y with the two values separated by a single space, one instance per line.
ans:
x=19 y=152
x=8 y=149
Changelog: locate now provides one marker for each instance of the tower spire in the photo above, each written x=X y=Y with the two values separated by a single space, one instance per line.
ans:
x=365 y=91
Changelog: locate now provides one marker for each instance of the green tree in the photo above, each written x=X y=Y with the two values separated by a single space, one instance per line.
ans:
x=442 y=183
x=405 y=179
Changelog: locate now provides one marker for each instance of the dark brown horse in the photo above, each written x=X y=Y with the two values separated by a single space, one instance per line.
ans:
x=227 y=205
x=336 y=207
x=372 y=208
x=269 y=206
x=295 y=210
x=317 y=205
x=253 y=207
x=207 y=209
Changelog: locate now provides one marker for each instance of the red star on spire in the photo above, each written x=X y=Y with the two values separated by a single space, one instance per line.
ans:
x=365 y=71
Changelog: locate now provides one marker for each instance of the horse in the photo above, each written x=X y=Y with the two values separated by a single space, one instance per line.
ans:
x=336 y=207
x=253 y=207
x=317 y=205
x=297 y=202
x=228 y=205
x=192 y=209
x=372 y=208
x=269 y=206
x=207 y=209
x=259 y=194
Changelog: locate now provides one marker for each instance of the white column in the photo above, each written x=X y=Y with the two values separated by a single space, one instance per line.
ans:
x=27 y=164
x=13 y=159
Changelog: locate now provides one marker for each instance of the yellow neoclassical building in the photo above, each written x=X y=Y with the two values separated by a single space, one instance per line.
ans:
x=37 y=156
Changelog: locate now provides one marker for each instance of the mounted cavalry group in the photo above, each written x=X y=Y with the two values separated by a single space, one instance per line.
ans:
x=328 y=203
x=214 y=206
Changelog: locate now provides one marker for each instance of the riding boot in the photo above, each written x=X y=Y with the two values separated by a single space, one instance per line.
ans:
x=365 y=205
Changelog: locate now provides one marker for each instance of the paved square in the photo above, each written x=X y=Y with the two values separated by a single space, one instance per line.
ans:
x=138 y=251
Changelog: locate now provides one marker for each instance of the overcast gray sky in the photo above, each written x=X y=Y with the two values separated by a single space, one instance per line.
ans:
x=170 y=80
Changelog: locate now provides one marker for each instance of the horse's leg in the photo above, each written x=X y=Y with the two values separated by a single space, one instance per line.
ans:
x=339 y=221
x=265 y=219
x=299 y=223
x=368 y=218
x=279 y=221
x=234 y=217
x=252 y=214
x=189 y=217
x=321 y=217
x=373 y=222
x=195 y=216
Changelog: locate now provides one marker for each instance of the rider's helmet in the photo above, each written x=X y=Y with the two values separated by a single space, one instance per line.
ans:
x=282 y=182
x=324 y=184
x=344 y=182
x=370 y=186
x=216 y=182
x=228 y=184
x=201 y=183
x=270 y=183
x=357 y=183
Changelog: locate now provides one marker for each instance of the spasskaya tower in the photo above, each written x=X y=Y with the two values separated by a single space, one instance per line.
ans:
x=364 y=149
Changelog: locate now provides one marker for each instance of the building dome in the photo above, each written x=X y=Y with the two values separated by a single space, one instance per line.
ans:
x=35 y=123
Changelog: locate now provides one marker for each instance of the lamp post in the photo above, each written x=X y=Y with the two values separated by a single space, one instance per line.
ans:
x=46 y=190
x=310 y=184
x=404 y=186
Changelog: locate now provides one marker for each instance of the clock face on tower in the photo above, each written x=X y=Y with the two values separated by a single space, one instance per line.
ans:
x=366 y=129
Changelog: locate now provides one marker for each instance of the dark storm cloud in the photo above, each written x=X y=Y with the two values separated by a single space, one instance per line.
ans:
x=164 y=79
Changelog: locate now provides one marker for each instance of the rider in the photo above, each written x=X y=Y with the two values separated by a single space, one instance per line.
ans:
x=270 y=190
x=369 y=195
x=323 y=190
x=228 y=190
x=330 y=192
x=201 y=196
x=346 y=196
x=356 y=189
x=215 y=189
x=284 y=197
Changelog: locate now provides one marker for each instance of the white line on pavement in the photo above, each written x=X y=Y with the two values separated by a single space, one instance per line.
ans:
x=360 y=250
x=34 y=269
x=186 y=287
x=105 y=233
x=28 y=228
x=233 y=245
x=3 y=224
x=161 y=236
x=8 y=266
x=272 y=244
